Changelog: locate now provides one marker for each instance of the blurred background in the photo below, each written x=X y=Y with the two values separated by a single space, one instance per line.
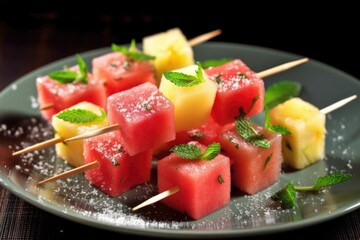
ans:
x=36 y=33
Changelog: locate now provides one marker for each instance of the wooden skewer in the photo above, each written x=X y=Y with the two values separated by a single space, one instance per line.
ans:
x=99 y=131
x=337 y=105
x=157 y=197
x=176 y=189
x=41 y=145
x=192 y=42
x=281 y=68
x=58 y=139
x=71 y=172
x=204 y=37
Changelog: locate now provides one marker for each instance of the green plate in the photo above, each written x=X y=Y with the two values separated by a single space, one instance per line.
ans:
x=75 y=199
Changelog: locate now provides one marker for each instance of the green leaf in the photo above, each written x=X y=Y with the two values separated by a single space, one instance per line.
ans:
x=280 y=92
x=192 y=152
x=63 y=77
x=211 y=152
x=220 y=179
x=287 y=196
x=187 y=151
x=331 y=179
x=132 y=52
x=82 y=77
x=66 y=76
x=215 y=62
x=181 y=79
x=248 y=133
x=77 y=115
x=277 y=128
x=199 y=72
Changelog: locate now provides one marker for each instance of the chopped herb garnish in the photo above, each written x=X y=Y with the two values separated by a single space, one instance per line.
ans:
x=132 y=52
x=241 y=75
x=186 y=80
x=193 y=152
x=253 y=101
x=218 y=79
x=196 y=135
x=287 y=195
x=215 y=62
x=114 y=162
x=276 y=128
x=67 y=76
x=76 y=115
x=220 y=179
x=280 y=92
x=267 y=160
x=249 y=134
x=147 y=107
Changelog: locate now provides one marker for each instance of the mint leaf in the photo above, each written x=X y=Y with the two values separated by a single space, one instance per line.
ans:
x=215 y=62
x=331 y=179
x=276 y=128
x=66 y=76
x=287 y=195
x=248 y=133
x=132 y=52
x=83 y=70
x=192 y=152
x=63 y=77
x=280 y=92
x=211 y=152
x=77 y=115
x=185 y=80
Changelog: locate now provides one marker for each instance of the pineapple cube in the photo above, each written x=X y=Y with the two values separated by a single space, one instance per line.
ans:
x=306 y=143
x=192 y=104
x=72 y=152
x=171 y=49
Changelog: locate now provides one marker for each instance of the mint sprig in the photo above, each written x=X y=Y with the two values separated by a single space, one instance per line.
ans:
x=192 y=152
x=77 y=115
x=186 y=80
x=67 y=76
x=287 y=195
x=249 y=134
x=275 y=128
x=132 y=52
x=280 y=92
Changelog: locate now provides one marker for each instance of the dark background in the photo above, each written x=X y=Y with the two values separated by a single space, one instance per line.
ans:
x=56 y=29
x=36 y=33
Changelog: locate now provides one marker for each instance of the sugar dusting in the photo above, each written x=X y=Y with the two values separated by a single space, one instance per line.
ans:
x=75 y=195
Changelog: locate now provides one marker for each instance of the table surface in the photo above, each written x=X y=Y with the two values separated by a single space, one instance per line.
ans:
x=39 y=37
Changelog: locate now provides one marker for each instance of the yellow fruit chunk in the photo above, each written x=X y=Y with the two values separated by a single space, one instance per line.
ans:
x=192 y=104
x=171 y=49
x=306 y=143
x=72 y=152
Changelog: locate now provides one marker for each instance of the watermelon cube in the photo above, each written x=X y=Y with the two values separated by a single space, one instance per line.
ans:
x=118 y=73
x=204 y=185
x=192 y=104
x=253 y=168
x=117 y=171
x=238 y=87
x=63 y=96
x=145 y=117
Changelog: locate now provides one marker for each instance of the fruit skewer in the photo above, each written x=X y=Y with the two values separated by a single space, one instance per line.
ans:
x=192 y=42
x=176 y=189
x=114 y=127
x=173 y=190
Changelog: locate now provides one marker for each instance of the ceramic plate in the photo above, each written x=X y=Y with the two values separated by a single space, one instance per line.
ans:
x=75 y=199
